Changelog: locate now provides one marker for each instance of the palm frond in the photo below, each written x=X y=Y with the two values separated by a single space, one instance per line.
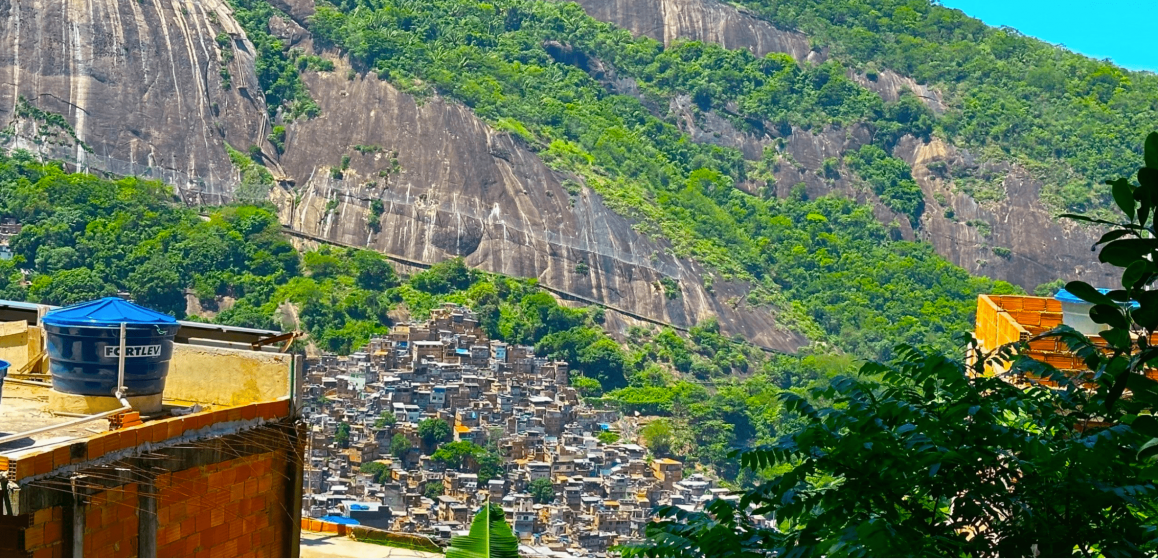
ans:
x=489 y=537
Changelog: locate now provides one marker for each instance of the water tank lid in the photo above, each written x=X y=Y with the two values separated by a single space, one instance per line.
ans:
x=109 y=311
x=1065 y=296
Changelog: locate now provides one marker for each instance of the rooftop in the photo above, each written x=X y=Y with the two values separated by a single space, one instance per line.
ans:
x=206 y=385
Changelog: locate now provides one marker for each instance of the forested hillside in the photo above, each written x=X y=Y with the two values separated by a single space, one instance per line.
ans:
x=85 y=237
x=1073 y=119
x=828 y=261
x=785 y=188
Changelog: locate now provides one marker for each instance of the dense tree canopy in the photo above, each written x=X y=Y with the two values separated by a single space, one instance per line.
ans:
x=1074 y=119
x=926 y=456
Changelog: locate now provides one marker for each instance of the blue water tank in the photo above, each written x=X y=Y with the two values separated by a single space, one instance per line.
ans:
x=84 y=347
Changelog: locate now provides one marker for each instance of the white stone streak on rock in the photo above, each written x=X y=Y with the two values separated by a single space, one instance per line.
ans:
x=14 y=32
x=78 y=12
x=202 y=98
x=172 y=62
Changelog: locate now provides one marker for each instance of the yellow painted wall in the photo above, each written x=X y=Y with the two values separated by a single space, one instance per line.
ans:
x=18 y=343
x=227 y=377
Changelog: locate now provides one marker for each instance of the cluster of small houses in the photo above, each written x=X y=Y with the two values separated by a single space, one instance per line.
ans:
x=494 y=394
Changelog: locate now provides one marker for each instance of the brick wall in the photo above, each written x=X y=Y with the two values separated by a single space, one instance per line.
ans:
x=110 y=523
x=221 y=490
x=229 y=509
x=1005 y=319
x=232 y=508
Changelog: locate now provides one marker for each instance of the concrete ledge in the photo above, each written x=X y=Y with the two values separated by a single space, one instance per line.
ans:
x=90 y=404
x=370 y=535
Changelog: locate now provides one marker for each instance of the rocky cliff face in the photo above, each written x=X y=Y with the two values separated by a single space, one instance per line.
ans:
x=451 y=186
x=141 y=83
x=1040 y=249
x=142 y=88
x=976 y=235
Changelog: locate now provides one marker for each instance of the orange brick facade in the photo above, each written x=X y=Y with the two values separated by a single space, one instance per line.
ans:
x=230 y=509
x=1005 y=319
x=233 y=508
x=232 y=490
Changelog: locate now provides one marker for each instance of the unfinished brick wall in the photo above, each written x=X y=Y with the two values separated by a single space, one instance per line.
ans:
x=229 y=509
x=110 y=523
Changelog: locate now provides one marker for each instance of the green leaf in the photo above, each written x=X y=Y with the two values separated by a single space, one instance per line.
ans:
x=1148 y=180
x=1123 y=252
x=1109 y=315
x=489 y=537
x=1118 y=338
x=1149 y=449
x=1112 y=235
x=1087 y=293
x=1151 y=150
x=1145 y=197
x=1123 y=193
x=1144 y=389
x=1136 y=272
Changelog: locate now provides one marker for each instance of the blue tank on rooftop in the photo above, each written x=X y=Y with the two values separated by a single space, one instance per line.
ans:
x=84 y=347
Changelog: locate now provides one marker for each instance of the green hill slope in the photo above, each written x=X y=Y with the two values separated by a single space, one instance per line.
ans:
x=827 y=261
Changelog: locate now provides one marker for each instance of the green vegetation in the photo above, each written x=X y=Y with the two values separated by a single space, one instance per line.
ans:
x=400 y=446
x=541 y=490
x=52 y=124
x=380 y=471
x=1073 y=120
x=608 y=438
x=659 y=436
x=85 y=237
x=278 y=68
x=890 y=468
x=342 y=435
x=433 y=431
x=277 y=138
x=386 y=420
x=833 y=272
x=489 y=537
x=434 y=489
x=890 y=178
x=256 y=180
x=926 y=456
x=456 y=454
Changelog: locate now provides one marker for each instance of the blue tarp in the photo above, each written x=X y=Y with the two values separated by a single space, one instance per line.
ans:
x=340 y=520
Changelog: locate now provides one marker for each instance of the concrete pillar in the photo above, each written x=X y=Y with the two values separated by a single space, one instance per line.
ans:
x=146 y=519
x=77 y=541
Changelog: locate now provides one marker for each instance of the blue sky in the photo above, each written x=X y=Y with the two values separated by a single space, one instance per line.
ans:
x=1120 y=30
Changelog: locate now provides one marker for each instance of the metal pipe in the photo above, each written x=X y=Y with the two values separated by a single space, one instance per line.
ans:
x=121 y=366
x=27 y=382
x=125 y=406
x=99 y=416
